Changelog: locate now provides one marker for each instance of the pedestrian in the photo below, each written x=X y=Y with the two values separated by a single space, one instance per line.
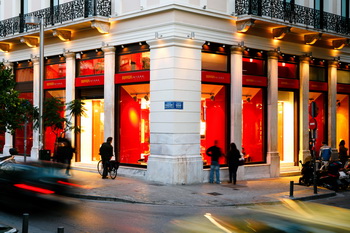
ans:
x=106 y=152
x=343 y=153
x=215 y=153
x=233 y=162
x=64 y=152
x=325 y=152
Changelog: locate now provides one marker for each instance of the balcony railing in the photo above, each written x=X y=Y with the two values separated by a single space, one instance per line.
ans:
x=294 y=14
x=57 y=15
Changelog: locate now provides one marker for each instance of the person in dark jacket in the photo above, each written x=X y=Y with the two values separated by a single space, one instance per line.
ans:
x=65 y=152
x=215 y=153
x=343 y=153
x=232 y=161
x=106 y=152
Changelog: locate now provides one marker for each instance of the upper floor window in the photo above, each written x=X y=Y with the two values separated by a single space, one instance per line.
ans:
x=252 y=66
x=287 y=70
x=24 y=72
x=55 y=68
x=345 y=8
x=134 y=61
x=91 y=67
x=215 y=62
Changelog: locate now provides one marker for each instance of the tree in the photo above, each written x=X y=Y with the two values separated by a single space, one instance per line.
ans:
x=14 y=111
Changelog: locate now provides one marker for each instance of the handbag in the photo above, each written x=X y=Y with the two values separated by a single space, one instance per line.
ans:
x=241 y=161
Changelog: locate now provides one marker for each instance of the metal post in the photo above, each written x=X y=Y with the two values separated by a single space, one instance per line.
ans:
x=25 y=223
x=291 y=189
x=41 y=74
x=60 y=230
x=25 y=141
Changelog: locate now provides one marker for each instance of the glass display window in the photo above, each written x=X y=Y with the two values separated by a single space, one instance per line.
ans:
x=214 y=62
x=317 y=74
x=343 y=120
x=253 y=66
x=91 y=67
x=287 y=70
x=134 y=62
x=343 y=76
x=213 y=120
x=20 y=133
x=24 y=75
x=134 y=137
x=253 y=118
x=51 y=133
x=55 y=71
x=320 y=100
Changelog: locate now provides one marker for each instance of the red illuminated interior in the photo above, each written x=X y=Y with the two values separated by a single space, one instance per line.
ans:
x=253 y=66
x=55 y=71
x=2 y=142
x=133 y=62
x=134 y=128
x=253 y=124
x=287 y=70
x=213 y=115
x=19 y=134
x=91 y=67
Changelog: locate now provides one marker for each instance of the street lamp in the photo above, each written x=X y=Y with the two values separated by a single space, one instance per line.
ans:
x=33 y=20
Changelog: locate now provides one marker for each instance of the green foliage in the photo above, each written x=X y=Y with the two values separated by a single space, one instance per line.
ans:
x=13 y=110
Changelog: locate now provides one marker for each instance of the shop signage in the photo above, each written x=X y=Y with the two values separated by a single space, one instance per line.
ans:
x=174 y=105
x=318 y=86
x=343 y=88
x=288 y=83
x=251 y=80
x=216 y=77
x=54 y=84
x=312 y=123
x=132 y=77
x=89 y=81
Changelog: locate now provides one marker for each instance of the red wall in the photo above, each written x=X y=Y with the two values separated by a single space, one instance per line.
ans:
x=321 y=122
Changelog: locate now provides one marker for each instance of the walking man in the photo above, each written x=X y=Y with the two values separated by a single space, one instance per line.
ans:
x=106 y=152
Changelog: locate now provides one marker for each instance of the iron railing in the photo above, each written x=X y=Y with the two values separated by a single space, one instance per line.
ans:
x=59 y=14
x=294 y=14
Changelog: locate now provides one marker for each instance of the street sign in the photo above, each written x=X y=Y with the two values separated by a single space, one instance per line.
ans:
x=174 y=105
x=312 y=123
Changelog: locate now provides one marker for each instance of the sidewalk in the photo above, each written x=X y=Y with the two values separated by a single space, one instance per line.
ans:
x=135 y=190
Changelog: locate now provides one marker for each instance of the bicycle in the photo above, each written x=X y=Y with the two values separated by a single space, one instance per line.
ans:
x=112 y=168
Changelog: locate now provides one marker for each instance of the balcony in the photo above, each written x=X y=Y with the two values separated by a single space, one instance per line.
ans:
x=270 y=14
x=58 y=16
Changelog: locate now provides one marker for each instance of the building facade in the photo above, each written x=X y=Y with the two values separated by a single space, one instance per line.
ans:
x=167 y=78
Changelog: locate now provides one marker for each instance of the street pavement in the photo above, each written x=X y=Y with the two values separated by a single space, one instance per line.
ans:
x=248 y=192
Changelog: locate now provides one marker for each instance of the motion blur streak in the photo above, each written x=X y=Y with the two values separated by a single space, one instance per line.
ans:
x=35 y=189
x=212 y=220
x=71 y=184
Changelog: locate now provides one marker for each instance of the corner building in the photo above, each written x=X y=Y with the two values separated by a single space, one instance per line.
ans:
x=167 y=78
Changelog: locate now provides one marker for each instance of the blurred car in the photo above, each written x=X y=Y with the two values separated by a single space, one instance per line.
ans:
x=42 y=180
x=7 y=229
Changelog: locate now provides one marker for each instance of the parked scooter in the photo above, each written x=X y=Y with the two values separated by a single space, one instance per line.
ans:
x=307 y=176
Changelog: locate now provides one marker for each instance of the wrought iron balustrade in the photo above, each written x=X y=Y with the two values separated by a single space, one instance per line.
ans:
x=59 y=14
x=294 y=14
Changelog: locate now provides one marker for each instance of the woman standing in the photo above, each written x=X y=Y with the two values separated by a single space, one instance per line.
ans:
x=232 y=161
x=343 y=153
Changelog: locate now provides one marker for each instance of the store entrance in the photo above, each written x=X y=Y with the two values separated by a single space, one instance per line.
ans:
x=286 y=126
x=92 y=124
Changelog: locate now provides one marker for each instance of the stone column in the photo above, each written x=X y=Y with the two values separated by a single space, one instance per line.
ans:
x=109 y=90
x=273 y=157
x=70 y=86
x=36 y=86
x=236 y=101
x=8 y=137
x=175 y=133
x=304 y=69
x=332 y=107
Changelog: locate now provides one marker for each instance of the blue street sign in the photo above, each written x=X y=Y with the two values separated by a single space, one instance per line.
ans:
x=174 y=105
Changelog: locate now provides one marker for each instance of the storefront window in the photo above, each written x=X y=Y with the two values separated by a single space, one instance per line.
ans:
x=19 y=134
x=343 y=112
x=213 y=119
x=214 y=62
x=2 y=142
x=287 y=70
x=91 y=67
x=253 y=124
x=51 y=133
x=252 y=66
x=134 y=138
x=343 y=76
x=317 y=73
x=24 y=75
x=320 y=100
x=55 y=71
x=134 y=62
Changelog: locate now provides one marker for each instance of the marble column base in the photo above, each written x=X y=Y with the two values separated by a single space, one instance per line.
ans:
x=273 y=159
x=175 y=169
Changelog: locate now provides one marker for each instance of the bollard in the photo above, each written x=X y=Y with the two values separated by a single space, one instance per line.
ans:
x=60 y=230
x=291 y=187
x=25 y=223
